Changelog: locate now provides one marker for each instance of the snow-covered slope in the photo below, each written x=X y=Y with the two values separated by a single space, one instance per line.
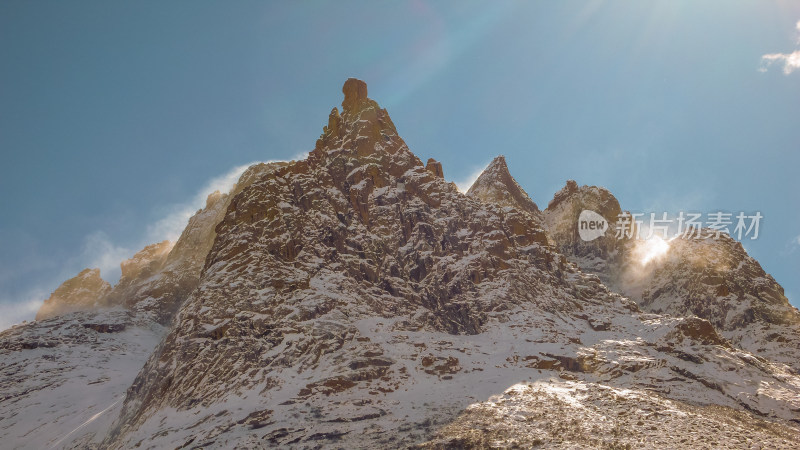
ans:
x=63 y=379
x=556 y=413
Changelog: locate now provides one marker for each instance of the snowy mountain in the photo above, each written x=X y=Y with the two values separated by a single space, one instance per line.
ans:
x=63 y=379
x=357 y=299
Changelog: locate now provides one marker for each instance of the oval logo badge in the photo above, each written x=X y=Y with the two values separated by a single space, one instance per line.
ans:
x=591 y=225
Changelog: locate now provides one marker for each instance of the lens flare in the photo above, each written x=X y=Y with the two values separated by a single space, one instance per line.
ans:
x=651 y=249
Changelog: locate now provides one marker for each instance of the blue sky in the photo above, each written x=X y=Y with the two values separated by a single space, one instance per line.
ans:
x=116 y=118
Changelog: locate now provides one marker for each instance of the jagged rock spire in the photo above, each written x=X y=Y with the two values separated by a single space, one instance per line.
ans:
x=570 y=188
x=435 y=167
x=575 y=198
x=561 y=218
x=496 y=185
x=355 y=94
x=80 y=293
x=362 y=126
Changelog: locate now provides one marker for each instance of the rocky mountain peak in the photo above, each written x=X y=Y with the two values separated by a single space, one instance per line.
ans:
x=561 y=221
x=362 y=128
x=435 y=167
x=82 y=292
x=355 y=94
x=598 y=198
x=567 y=204
x=146 y=261
x=714 y=278
x=711 y=278
x=564 y=193
x=213 y=198
x=496 y=185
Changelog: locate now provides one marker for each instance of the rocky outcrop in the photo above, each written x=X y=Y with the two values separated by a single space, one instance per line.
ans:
x=355 y=94
x=561 y=219
x=85 y=291
x=143 y=265
x=496 y=185
x=435 y=167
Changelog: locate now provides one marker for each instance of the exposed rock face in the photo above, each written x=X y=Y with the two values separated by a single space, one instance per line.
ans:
x=357 y=299
x=496 y=185
x=146 y=262
x=172 y=271
x=143 y=265
x=163 y=294
x=85 y=291
x=435 y=167
x=355 y=94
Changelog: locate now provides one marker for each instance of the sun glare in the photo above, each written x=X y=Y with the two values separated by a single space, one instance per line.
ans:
x=651 y=248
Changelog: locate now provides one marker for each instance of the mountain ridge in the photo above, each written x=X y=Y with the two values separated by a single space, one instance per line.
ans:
x=357 y=298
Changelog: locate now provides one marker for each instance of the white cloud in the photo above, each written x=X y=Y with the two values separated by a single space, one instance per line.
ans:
x=790 y=61
x=14 y=313
x=792 y=245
